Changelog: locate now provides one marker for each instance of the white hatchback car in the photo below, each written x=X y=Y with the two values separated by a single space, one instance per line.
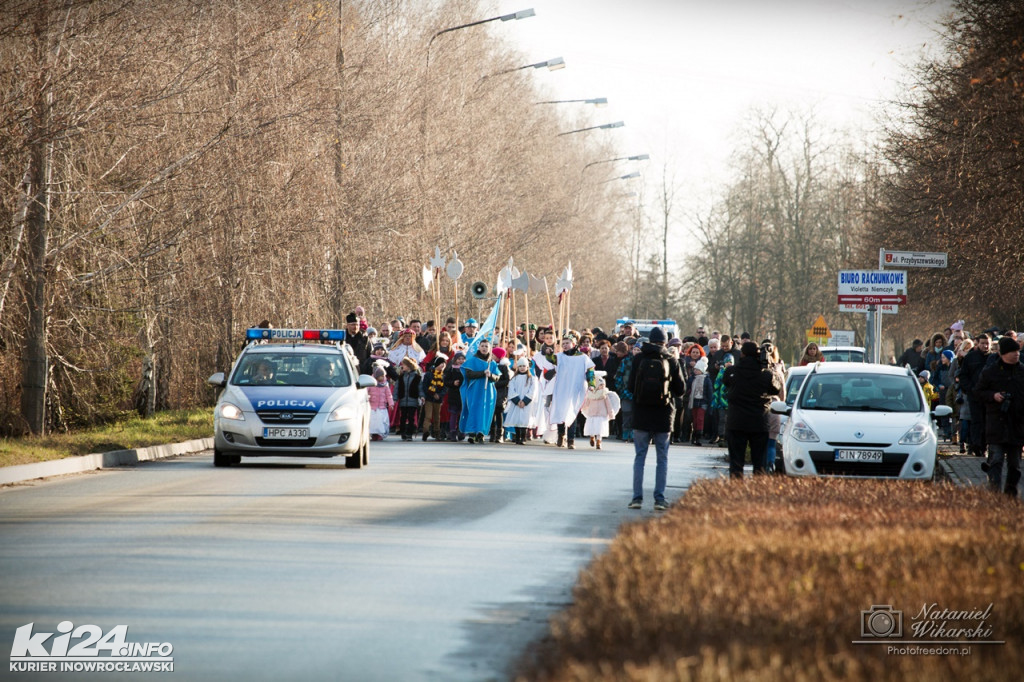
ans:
x=300 y=398
x=860 y=420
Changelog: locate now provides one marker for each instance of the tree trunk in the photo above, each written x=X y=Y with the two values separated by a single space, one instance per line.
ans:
x=34 y=365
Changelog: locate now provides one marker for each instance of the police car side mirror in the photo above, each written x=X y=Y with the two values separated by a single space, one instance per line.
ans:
x=780 y=407
x=217 y=380
x=365 y=381
x=942 y=411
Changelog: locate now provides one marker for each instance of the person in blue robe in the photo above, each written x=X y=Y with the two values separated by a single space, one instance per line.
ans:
x=478 y=393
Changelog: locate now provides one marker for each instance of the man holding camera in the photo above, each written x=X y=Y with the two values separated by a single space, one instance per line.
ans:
x=750 y=385
x=1001 y=390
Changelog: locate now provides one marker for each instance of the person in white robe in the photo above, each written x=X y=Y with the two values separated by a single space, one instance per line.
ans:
x=574 y=372
x=546 y=375
x=522 y=393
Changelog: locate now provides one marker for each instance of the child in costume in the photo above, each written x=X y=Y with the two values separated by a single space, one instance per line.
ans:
x=433 y=396
x=381 y=402
x=522 y=392
x=600 y=407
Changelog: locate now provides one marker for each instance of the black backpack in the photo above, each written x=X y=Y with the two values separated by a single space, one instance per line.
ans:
x=652 y=383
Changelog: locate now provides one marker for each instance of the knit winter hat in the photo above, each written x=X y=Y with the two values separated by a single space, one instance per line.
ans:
x=925 y=374
x=657 y=335
x=750 y=349
x=498 y=352
x=522 y=362
x=379 y=373
x=948 y=354
x=1007 y=345
x=701 y=365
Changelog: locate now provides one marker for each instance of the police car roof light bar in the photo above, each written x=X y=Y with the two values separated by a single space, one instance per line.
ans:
x=260 y=334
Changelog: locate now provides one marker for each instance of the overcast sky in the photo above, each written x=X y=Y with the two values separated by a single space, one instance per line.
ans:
x=683 y=74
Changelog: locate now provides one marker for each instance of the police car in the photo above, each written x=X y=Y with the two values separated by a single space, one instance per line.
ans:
x=644 y=327
x=292 y=393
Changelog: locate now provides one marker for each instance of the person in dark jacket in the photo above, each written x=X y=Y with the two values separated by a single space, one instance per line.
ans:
x=408 y=397
x=652 y=417
x=453 y=379
x=1001 y=390
x=379 y=357
x=433 y=392
x=610 y=368
x=356 y=337
x=497 y=433
x=970 y=373
x=912 y=357
x=750 y=386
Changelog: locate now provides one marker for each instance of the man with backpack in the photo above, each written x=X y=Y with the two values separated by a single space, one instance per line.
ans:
x=656 y=379
x=750 y=385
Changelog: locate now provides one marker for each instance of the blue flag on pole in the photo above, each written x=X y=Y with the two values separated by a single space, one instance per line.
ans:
x=486 y=330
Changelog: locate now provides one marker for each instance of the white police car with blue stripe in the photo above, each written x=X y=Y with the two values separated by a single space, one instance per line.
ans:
x=300 y=398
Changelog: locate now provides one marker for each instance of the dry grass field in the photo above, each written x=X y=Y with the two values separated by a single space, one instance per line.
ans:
x=766 y=579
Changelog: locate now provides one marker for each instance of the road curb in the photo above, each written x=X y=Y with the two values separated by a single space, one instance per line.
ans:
x=101 y=460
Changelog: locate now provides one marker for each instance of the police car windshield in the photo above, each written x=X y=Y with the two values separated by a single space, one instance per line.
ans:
x=291 y=369
x=861 y=392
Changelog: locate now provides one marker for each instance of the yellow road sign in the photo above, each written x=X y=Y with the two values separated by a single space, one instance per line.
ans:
x=819 y=329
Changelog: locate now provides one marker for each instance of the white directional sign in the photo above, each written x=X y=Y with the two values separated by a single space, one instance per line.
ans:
x=913 y=259
x=873 y=287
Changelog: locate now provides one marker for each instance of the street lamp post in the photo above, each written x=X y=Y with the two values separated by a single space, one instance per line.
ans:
x=551 y=65
x=596 y=101
x=638 y=157
x=627 y=176
x=606 y=126
x=514 y=16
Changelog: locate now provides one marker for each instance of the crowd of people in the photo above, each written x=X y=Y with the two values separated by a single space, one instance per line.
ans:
x=980 y=376
x=429 y=382
x=446 y=383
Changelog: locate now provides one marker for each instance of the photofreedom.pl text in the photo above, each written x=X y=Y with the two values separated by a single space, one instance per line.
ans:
x=932 y=631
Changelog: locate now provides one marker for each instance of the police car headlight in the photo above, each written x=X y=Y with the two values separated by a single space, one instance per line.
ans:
x=342 y=413
x=229 y=411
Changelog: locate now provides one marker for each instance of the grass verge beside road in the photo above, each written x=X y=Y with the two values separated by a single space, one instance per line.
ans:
x=172 y=426
x=766 y=579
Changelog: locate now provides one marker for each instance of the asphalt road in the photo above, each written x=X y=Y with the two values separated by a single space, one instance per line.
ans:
x=436 y=562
